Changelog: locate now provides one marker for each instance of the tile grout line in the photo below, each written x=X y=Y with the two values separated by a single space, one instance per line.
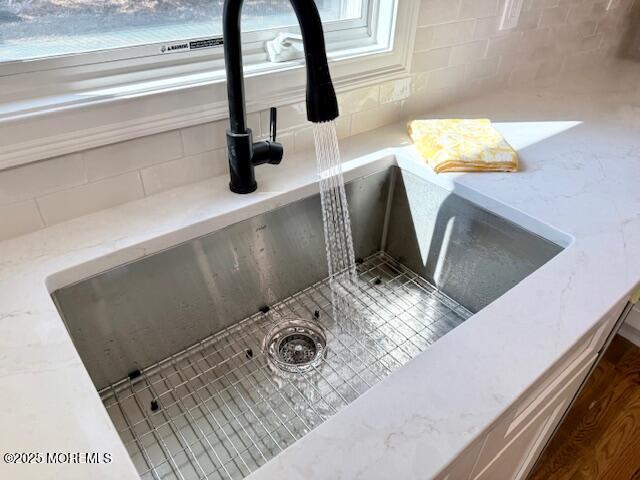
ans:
x=37 y=204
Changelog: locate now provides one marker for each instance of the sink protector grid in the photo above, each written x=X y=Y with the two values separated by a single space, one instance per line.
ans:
x=218 y=411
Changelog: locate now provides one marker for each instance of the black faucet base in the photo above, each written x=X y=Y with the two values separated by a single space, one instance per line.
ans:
x=241 y=147
x=242 y=189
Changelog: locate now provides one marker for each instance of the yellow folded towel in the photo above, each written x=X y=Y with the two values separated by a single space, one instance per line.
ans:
x=457 y=145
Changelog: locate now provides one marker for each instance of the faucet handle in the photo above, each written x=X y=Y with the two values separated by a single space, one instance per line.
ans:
x=268 y=151
x=273 y=122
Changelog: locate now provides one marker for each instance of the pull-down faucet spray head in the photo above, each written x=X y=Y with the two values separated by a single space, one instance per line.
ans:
x=322 y=105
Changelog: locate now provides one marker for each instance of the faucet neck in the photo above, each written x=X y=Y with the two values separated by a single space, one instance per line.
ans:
x=322 y=105
x=233 y=65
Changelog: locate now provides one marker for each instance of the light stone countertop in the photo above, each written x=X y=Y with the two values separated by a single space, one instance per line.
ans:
x=579 y=143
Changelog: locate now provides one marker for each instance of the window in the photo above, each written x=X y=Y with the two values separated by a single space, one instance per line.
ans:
x=78 y=74
x=31 y=29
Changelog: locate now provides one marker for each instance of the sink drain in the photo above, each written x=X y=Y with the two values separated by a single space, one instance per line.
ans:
x=295 y=345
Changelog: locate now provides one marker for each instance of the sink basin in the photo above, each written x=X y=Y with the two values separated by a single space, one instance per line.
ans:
x=174 y=342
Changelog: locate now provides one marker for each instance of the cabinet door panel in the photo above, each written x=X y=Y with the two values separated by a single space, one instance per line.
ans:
x=516 y=459
x=462 y=466
x=511 y=425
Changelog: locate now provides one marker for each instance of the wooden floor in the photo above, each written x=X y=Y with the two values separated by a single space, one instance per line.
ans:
x=600 y=437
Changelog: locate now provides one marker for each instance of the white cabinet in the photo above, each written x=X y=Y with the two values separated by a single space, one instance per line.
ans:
x=516 y=459
x=463 y=466
x=509 y=450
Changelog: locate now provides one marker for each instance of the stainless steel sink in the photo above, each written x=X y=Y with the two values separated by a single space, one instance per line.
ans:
x=174 y=342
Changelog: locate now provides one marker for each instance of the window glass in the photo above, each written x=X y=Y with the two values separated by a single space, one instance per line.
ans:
x=45 y=28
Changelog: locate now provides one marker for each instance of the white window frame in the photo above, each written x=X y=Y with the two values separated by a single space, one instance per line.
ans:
x=150 y=54
x=60 y=105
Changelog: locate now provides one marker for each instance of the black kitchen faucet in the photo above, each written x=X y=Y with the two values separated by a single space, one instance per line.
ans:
x=322 y=105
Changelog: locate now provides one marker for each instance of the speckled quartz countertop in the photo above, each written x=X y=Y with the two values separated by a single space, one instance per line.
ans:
x=579 y=143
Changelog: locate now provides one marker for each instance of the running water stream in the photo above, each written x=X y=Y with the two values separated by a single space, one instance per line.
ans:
x=343 y=277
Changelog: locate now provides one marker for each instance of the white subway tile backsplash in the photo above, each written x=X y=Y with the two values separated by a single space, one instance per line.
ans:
x=524 y=73
x=534 y=39
x=609 y=24
x=478 y=8
x=433 y=12
x=488 y=27
x=19 y=218
x=599 y=7
x=451 y=33
x=424 y=39
x=26 y=182
x=212 y=135
x=430 y=60
x=204 y=138
x=581 y=59
x=509 y=62
x=529 y=20
x=579 y=29
x=578 y=12
x=289 y=116
x=505 y=45
x=468 y=52
x=482 y=84
x=420 y=104
x=593 y=42
x=77 y=201
x=395 y=90
x=544 y=52
x=287 y=140
x=418 y=86
x=451 y=77
x=375 y=118
x=359 y=100
x=482 y=68
x=613 y=4
x=554 y=16
x=550 y=67
x=534 y=5
x=304 y=136
x=132 y=155
x=343 y=126
x=304 y=139
x=549 y=3
x=184 y=171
